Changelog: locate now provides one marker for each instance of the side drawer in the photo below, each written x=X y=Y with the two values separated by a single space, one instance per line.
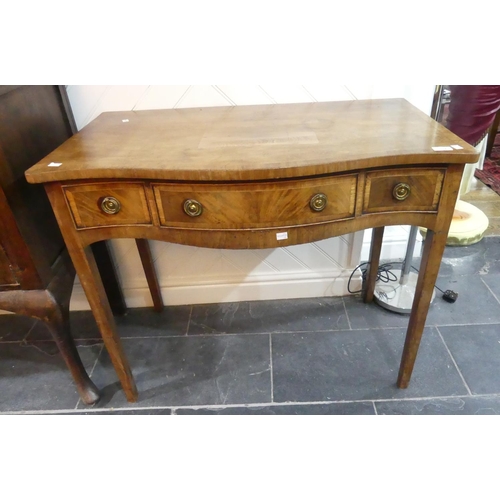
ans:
x=108 y=204
x=256 y=205
x=409 y=189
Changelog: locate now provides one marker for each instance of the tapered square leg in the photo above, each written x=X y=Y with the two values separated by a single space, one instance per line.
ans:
x=431 y=259
x=375 y=250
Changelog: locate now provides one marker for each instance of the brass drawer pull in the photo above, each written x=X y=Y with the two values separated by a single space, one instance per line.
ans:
x=401 y=191
x=318 y=202
x=110 y=205
x=193 y=208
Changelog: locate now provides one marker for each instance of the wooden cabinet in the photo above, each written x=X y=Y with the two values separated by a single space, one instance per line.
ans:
x=36 y=274
x=32 y=123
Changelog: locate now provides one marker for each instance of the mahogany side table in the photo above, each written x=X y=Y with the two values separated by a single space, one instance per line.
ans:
x=256 y=177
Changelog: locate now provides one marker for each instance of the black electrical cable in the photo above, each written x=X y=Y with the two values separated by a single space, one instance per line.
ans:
x=384 y=273
x=363 y=276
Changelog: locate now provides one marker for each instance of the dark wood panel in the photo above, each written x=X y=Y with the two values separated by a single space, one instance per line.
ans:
x=107 y=270
x=18 y=256
x=32 y=124
x=5 y=89
x=7 y=277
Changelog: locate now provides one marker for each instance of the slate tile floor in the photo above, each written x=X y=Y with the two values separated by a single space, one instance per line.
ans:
x=325 y=356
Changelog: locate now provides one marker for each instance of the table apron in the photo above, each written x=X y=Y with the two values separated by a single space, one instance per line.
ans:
x=274 y=237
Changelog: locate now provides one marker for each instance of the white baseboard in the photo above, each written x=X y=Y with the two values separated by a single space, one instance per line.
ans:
x=291 y=286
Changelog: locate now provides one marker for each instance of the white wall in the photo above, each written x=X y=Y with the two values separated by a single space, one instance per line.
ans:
x=191 y=275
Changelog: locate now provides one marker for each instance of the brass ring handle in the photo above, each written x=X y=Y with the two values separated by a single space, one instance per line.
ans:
x=110 y=205
x=318 y=202
x=193 y=208
x=401 y=191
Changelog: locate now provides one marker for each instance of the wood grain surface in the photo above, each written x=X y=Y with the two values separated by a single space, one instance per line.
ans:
x=252 y=142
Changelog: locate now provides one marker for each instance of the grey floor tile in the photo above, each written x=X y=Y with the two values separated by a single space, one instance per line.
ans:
x=481 y=258
x=318 y=409
x=139 y=322
x=208 y=370
x=493 y=282
x=478 y=259
x=450 y=406
x=358 y=365
x=14 y=327
x=475 y=303
x=149 y=411
x=269 y=316
x=476 y=350
x=362 y=316
x=35 y=377
x=145 y=322
x=82 y=324
x=191 y=371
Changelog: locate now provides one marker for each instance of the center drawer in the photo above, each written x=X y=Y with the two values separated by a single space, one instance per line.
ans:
x=256 y=205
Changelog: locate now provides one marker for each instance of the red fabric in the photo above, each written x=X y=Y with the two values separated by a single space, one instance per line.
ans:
x=472 y=110
x=490 y=174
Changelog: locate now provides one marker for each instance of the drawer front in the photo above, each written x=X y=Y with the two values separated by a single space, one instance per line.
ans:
x=409 y=189
x=108 y=204
x=255 y=205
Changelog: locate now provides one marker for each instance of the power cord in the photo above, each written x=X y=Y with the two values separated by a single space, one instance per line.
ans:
x=448 y=295
x=385 y=275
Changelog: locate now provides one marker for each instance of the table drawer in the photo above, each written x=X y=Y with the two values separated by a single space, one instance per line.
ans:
x=256 y=205
x=108 y=204
x=409 y=189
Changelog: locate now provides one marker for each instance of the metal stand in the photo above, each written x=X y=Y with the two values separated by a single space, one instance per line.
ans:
x=397 y=296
